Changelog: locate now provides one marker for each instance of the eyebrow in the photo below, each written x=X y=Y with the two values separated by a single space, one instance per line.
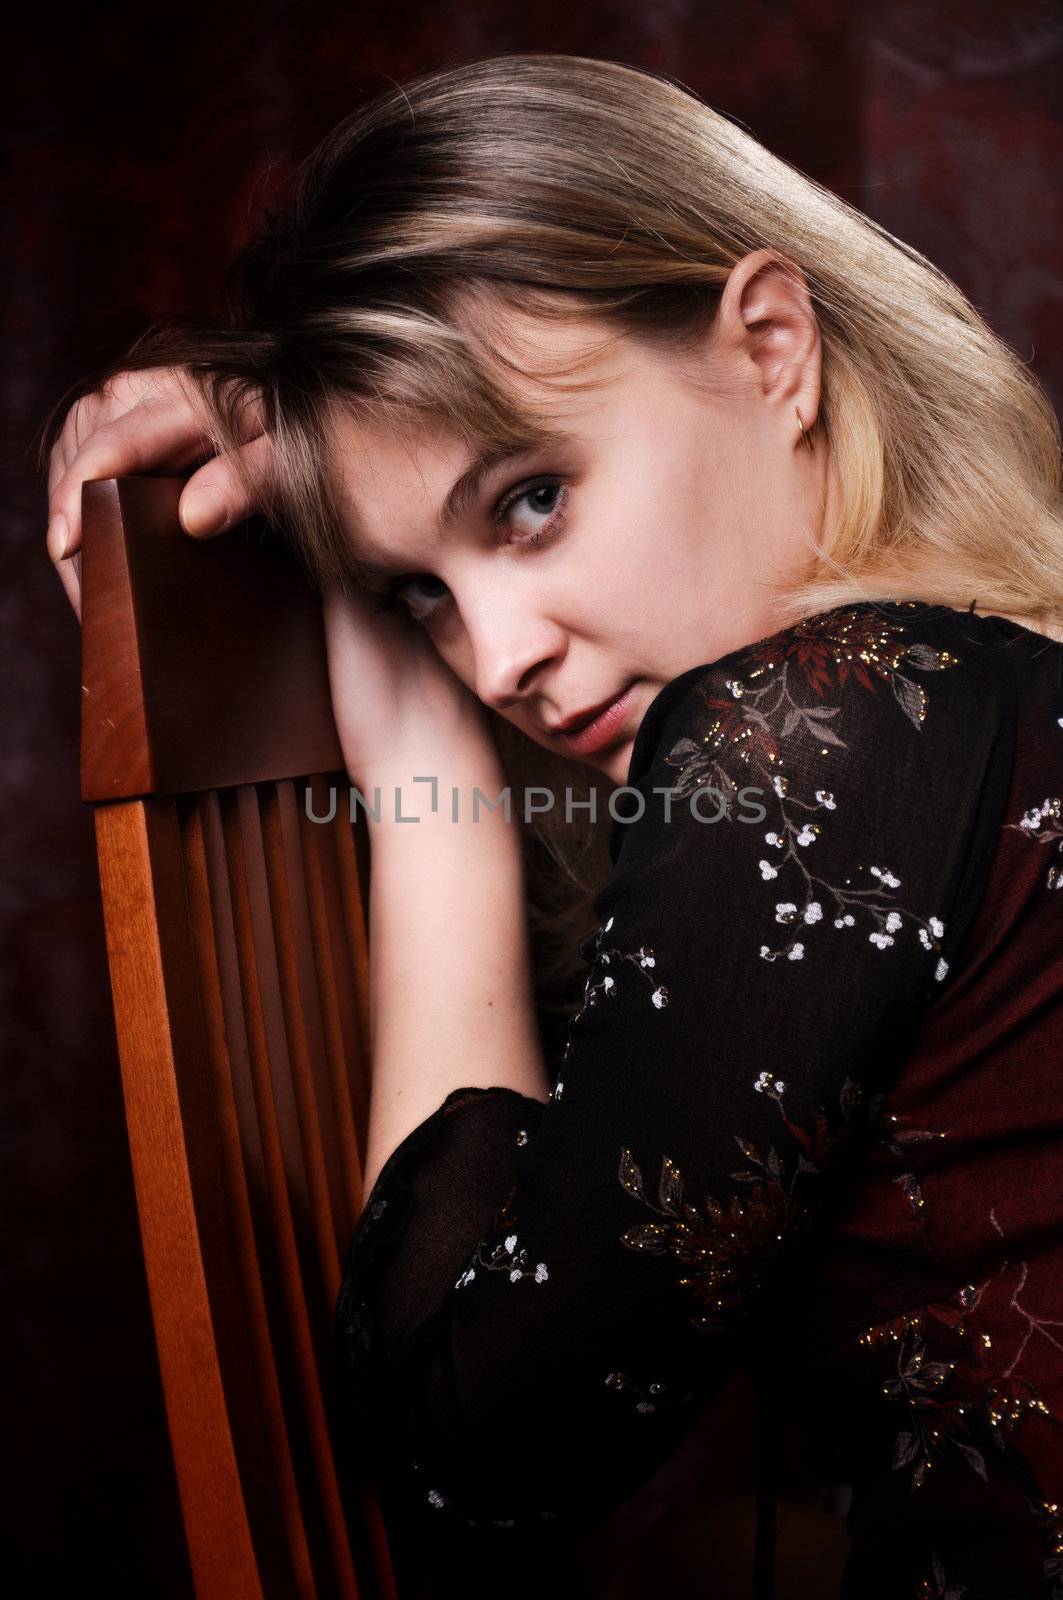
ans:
x=467 y=484
x=463 y=490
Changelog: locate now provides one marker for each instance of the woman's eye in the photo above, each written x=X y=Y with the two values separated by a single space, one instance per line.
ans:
x=419 y=605
x=542 y=507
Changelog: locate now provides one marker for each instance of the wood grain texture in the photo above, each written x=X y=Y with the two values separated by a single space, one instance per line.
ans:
x=236 y=941
x=203 y=659
x=143 y=984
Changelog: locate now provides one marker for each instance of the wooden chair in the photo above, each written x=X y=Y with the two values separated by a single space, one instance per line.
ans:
x=236 y=942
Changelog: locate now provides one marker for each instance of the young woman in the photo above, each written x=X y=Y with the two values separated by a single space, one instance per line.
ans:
x=697 y=497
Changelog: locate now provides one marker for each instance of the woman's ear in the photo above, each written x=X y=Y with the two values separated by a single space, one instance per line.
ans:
x=767 y=330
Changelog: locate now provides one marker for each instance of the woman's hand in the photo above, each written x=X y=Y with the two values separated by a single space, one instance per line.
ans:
x=396 y=703
x=144 y=422
x=400 y=711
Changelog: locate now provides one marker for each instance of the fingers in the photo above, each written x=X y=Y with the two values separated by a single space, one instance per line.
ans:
x=216 y=497
x=139 y=422
x=78 y=422
x=70 y=577
x=147 y=422
x=144 y=440
x=58 y=538
x=213 y=499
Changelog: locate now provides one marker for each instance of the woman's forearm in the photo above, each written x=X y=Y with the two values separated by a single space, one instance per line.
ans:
x=450 y=979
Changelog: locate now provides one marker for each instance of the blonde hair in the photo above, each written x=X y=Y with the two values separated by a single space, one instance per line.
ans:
x=563 y=186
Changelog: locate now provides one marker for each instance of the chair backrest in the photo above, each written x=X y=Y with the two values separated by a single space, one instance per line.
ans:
x=237 y=949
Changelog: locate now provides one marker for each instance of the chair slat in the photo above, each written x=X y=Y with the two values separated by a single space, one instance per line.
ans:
x=288 y=1180
x=159 y=1032
x=344 y=1045
x=271 y=1488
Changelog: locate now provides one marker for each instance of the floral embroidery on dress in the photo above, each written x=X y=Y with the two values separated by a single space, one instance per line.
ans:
x=729 y=1246
x=1049 y=1519
x=898 y=1141
x=508 y=1256
x=499 y=1250
x=753 y=728
x=936 y=1586
x=653 y=1397
x=961 y=1388
x=932 y=1422
x=642 y=960
x=1043 y=824
x=650 y=1399
x=959 y=1396
x=435 y=1497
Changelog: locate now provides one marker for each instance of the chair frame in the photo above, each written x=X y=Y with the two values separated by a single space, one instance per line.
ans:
x=236 y=939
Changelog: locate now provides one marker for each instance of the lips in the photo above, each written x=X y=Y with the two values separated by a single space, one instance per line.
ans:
x=591 y=730
x=580 y=719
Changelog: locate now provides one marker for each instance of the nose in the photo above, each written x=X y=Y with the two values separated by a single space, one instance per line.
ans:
x=512 y=655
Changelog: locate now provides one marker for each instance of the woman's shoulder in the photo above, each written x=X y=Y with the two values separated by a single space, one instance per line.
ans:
x=852 y=697
x=851 y=770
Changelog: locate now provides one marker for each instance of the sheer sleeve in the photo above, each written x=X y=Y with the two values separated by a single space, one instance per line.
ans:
x=540 y=1297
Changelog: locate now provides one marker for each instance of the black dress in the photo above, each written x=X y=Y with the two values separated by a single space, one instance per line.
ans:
x=809 y=1118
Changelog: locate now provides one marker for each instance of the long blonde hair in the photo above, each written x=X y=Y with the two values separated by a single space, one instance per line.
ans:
x=566 y=186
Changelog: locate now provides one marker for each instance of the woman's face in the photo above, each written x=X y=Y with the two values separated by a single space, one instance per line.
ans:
x=649 y=539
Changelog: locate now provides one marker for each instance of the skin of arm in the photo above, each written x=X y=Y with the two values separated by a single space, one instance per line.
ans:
x=451 y=1001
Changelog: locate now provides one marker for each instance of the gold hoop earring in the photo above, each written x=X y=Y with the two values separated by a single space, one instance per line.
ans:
x=805 y=433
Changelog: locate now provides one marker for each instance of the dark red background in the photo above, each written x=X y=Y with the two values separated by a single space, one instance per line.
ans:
x=138 y=137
